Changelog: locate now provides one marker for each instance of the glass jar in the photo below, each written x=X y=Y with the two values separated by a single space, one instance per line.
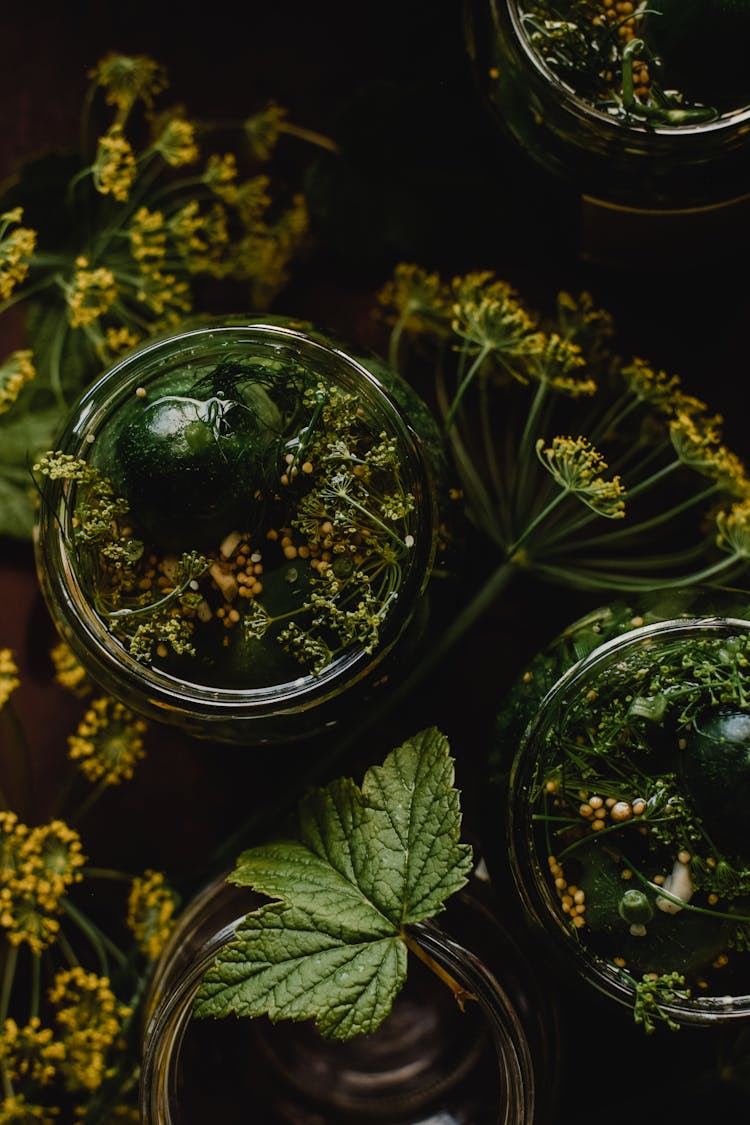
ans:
x=636 y=177
x=244 y=543
x=495 y=1062
x=627 y=832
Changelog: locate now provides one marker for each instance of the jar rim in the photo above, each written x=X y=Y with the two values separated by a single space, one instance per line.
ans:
x=87 y=633
x=167 y=1020
x=584 y=109
x=534 y=891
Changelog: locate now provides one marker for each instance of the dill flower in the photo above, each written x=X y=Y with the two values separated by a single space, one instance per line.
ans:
x=117 y=341
x=114 y=168
x=68 y=670
x=9 y=680
x=38 y=866
x=497 y=324
x=734 y=530
x=29 y=1052
x=165 y=295
x=576 y=466
x=263 y=130
x=16 y=249
x=561 y=363
x=126 y=79
x=15 y=373
x=200 y=237
x=148 y=237
x=220 y=175
x=648 y=385
x=108 y=742
x=90 y=1019
x=52 y=854
x=175 y=142
x=16 y=1110
x=419 y=299
x=151 y=909
x=90 y=293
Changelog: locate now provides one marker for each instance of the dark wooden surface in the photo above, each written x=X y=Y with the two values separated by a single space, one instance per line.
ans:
x=424 y=176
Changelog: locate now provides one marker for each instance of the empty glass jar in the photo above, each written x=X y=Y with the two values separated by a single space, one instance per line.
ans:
x=653 y=166
x=493 y=1063
x=238 y=529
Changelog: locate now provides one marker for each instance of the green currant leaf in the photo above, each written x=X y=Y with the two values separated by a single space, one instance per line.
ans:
x=367 y=863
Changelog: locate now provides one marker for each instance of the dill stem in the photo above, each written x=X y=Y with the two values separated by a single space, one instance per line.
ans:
x=9 y=972
x=460 y=993
x=464 y=386
x=28 y=291
x=19 y=760
x=538 y=518
x=99 y=940
x=36 y=984
x=394 y=343
x=312 y=136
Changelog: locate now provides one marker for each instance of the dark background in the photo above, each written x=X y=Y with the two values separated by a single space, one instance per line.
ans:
x=423 y=175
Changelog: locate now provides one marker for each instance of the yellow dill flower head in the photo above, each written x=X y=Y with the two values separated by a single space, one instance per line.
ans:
x=577 y=467
x=108 y=743
x=263 y=130
x=148 y=237
x=37 y=866
x=52 y=856
x=16 y=1110
x=126 y=79
x=175 y=141
x=117 y=341
x=24 y=919
x=660 y=390
x=416 y=298
x=560 y=364
x=734 y=530
x=201 y=237
x=498 y=326
x=221 y=176
x=29 y=1053
x=730 y=472
x=114 y=168
x=16 y=250
x=12 y=835
x=9 y=680
x=90 y=1017
x=252 y=200
x=15 y=373
x=90 y=293
x=68 y=670
x=696 y=439
x=151 y=909
x=164 y=293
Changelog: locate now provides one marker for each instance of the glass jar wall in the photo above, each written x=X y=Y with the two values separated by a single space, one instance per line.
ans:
x=493 y=1063
x=239 y=533
x=626 y=832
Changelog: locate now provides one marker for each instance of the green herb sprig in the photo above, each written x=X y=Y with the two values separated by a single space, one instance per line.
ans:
x=157 y=206
x=578 y=465
x=367 y=863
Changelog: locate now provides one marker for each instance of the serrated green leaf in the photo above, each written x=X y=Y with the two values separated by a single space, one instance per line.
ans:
x=291 y=872
x=367 y=863
x=287 y=964
x=408 y=851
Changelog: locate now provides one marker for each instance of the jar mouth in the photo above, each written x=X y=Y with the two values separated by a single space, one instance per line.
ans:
x=86 y=631
x=540 y=896
x=496 y=1023
x=584 y=109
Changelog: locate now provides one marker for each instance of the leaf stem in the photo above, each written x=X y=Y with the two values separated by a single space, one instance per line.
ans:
x=460 y=993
